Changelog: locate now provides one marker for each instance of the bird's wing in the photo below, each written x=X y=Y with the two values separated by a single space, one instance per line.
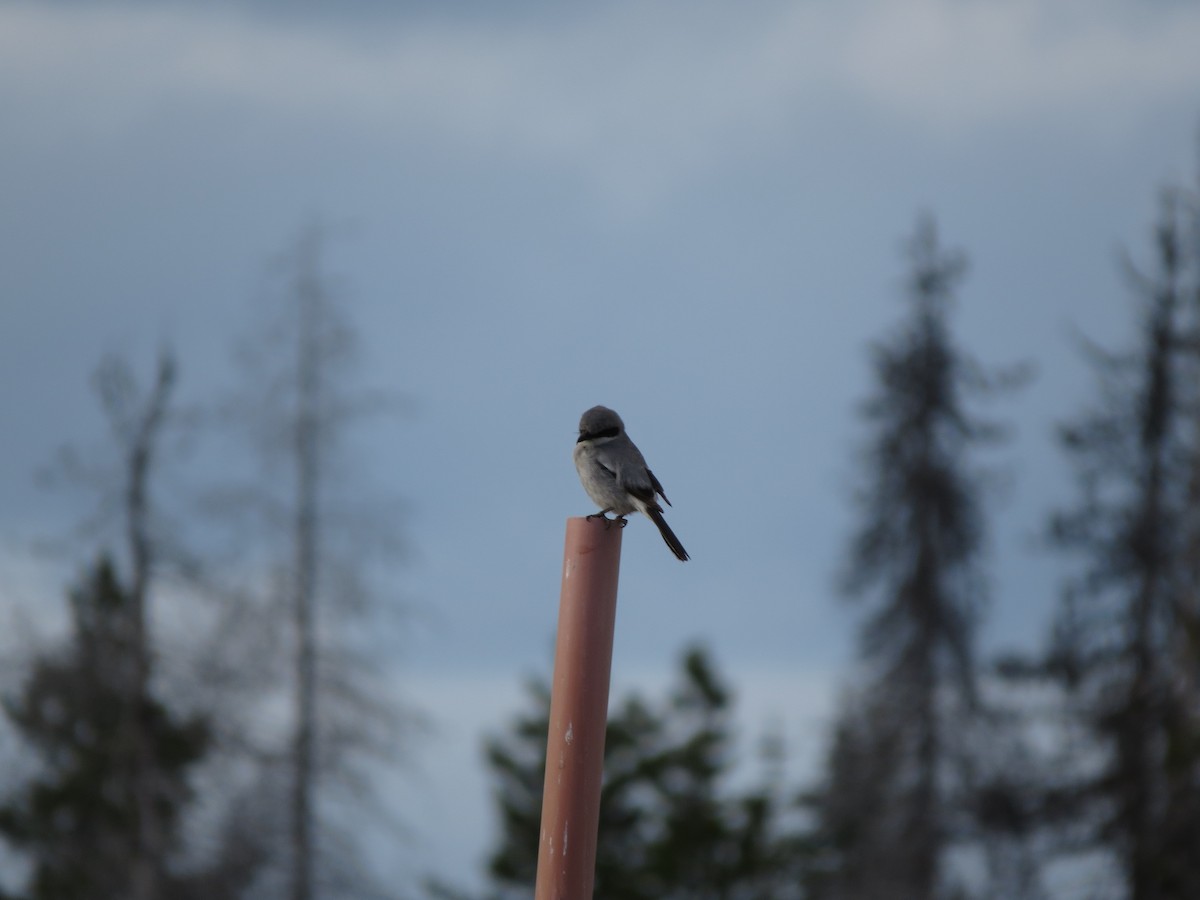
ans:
x=607 y=465
x=627 y=466
x=658 y=488
x=640 y=482
x=645 y=493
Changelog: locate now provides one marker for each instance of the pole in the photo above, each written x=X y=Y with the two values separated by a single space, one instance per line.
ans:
x=578 y=711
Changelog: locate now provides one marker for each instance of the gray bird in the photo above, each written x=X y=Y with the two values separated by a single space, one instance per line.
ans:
x=615 y=475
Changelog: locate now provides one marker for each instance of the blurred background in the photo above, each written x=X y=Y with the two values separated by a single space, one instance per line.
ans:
x=300 y=305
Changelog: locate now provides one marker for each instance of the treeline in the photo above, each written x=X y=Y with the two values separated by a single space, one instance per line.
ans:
x=209 y=725
x=1070 y=771
x=234 y=759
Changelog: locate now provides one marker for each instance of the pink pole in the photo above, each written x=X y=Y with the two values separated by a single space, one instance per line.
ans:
x=578 y=711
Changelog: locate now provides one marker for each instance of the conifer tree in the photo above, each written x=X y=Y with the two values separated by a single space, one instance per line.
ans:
x=885 y=818
x=77 y=820
x=670 y=826
x=1124 y=648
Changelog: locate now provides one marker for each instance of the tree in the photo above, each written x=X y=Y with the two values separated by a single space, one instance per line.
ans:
x=138 y=428
x=670 y=826
x=137 y=420
x=885 y=818
x=859 y=845
x=298 y=406
x=1124 y=649
x=144 y=552
x=80 y=820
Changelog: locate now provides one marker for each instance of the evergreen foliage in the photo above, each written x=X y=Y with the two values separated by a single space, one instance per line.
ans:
x=670 y=824
x=76 y=821
x=1123 y=650
x=885 y=816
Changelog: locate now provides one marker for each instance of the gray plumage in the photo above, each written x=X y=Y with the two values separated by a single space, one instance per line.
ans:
x=615 y=475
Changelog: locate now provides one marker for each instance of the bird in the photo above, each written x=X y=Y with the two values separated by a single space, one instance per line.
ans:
x=615 y=475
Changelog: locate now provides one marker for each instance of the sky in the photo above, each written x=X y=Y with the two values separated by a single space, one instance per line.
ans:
x=691 y=212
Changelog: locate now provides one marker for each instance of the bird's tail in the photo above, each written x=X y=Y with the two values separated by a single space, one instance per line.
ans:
x=668 y=535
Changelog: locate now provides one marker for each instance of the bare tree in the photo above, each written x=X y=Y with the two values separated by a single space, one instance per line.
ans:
x=137 y=422
x=298 y=405
x=138 y=428
x=128 y=516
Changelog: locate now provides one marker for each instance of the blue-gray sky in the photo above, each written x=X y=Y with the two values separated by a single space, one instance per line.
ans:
x=692 y=212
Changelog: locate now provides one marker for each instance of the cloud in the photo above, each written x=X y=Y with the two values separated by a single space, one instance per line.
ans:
x=959 y=64
x=633 y=95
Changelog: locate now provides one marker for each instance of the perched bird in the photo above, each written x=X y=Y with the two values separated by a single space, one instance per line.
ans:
x=614 y=473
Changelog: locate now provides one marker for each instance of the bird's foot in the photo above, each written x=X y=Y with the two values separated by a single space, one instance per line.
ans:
x=602 y=517
x=621 y=521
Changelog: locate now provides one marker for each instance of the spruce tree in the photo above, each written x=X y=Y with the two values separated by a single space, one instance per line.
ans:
x=670 y=826
x=1124 y=649
x=884 y=819
x=76 y=821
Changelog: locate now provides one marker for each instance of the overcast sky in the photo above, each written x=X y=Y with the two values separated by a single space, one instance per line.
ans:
x=691 y=212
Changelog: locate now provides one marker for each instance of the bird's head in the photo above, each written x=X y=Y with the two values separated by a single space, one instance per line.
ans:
x=599 y=422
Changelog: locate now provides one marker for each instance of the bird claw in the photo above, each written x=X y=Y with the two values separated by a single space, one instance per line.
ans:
x=619 y=521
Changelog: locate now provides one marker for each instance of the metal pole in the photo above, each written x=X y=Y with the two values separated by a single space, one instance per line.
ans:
x=578 y=711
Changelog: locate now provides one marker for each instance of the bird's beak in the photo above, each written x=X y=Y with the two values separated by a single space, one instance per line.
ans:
x=583 y=436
